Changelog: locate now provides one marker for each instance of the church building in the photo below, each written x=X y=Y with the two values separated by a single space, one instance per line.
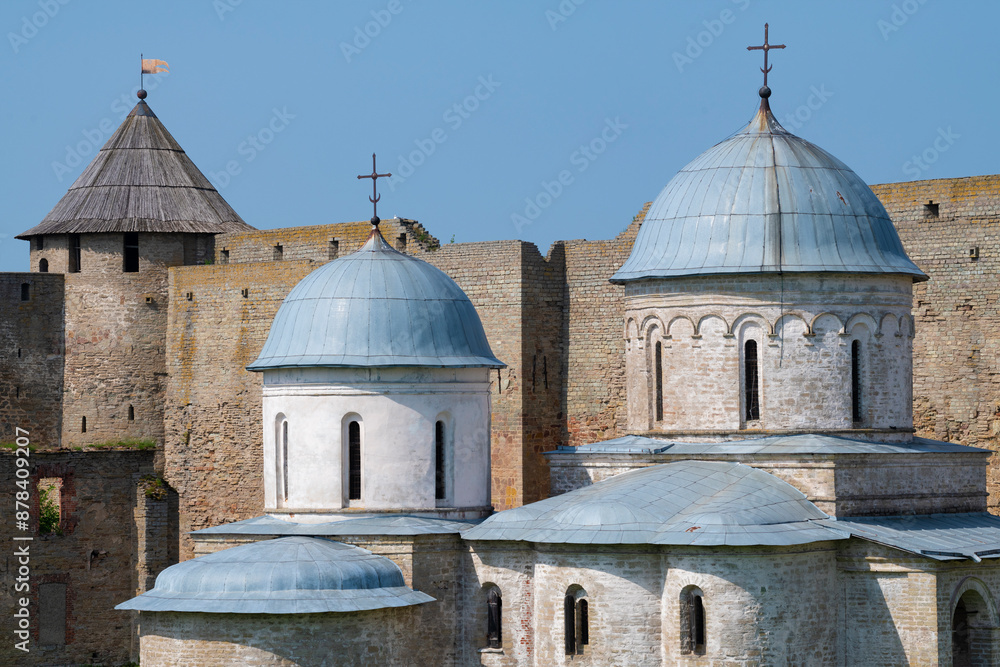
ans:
x=768 y=505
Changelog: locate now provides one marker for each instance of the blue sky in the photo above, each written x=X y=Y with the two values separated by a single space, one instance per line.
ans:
x=538 y=120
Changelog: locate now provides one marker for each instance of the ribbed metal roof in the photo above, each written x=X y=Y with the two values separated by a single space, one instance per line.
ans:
x=287 y=575
x=376 y=307
x=805 y=443
x=374 y=524
x=140 y=181
x=708 y=503
x=765 y=201
x=972 y=536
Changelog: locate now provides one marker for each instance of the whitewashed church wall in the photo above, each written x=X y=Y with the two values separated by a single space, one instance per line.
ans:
x=763 y=606
x=510 y=566
x=397 y=410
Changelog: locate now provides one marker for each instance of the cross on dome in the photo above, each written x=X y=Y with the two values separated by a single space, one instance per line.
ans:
x=765 y=47
x=375 y=196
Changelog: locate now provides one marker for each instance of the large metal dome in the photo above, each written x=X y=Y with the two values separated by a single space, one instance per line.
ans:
x=288 y=575
x=376 y=307
x=765 y=201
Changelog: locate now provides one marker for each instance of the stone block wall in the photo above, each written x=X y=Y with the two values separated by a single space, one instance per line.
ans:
x=213 y=449
x=951 y=230
x=31 y=356
x=594 y=401
x=92 y=558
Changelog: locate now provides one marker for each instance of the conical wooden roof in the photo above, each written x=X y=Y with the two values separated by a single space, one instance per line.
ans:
x=140 y=181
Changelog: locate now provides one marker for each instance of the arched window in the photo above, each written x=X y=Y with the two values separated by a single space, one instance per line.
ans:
x=576 y=611
x=43 y=265
x=856 y=381
x=440 y=479
x=354 y=461
x=494 y=618
x=751 y=381
x=692 y=621
x=659 y=381
x=284 y=459
x=281 y=460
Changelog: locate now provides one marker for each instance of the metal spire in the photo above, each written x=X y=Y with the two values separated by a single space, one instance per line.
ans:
x=375 y=195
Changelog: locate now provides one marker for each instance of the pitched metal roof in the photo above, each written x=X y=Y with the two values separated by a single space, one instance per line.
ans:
x=805 y=443
x=374 y=524
x=140 y=181
x=765 y=201
x=707 y=503
x=972 y=536
x=376 y=307
x=287 y=575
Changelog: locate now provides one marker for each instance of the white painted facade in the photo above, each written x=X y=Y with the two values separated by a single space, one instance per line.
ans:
x=307 y=416
x=804 y=327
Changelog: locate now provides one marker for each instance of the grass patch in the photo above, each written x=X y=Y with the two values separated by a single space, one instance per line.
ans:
x=128 y=443
x=154 y=487
x=12 y=446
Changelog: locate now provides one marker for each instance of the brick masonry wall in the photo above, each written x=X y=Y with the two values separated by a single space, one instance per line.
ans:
x=213 y=441
x=594 y=364
x=93 y=557
x=115 y=324
x=361 y=639
x=956 y=352
x=31 y=357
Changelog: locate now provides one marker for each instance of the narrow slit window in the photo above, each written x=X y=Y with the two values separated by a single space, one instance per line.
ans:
x=440 y=485
x=74 y=253
x=569 y=608
x=130 y=257
x=751 y=375
x=83 y=425
x=494 y=618
x=698 y=623
x=577 y=614
x=659 y=381
x=284 y=460
x=354 y=461
x=39 y=243
x=25 y=291
x=131 y=413
x=856 y=381
x=692 y=622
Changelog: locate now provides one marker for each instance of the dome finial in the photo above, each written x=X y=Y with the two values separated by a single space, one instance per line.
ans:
x=765 y=92
x=375 y=195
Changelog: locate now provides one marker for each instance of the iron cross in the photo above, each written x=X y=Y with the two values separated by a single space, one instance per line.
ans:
x=765 y=47
x=375 y=195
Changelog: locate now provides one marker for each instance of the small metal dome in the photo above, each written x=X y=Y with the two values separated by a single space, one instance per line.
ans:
x=376 y=307
x=765 y=201
x=288 y=575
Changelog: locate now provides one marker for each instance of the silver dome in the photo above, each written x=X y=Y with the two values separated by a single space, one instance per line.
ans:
x=765 y=201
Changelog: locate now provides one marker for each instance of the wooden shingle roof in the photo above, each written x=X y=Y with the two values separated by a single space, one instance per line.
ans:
x=140 y=181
